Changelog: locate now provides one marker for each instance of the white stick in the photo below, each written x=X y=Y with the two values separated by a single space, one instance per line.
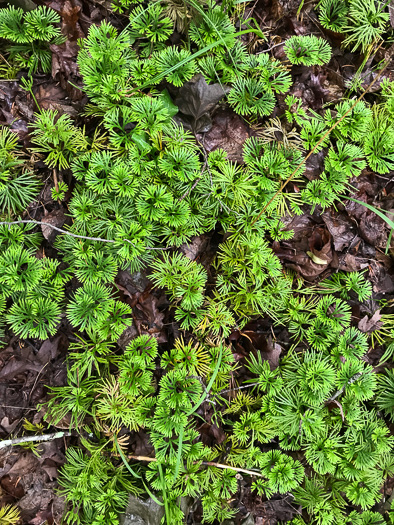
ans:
x=40 y=223
x=29 y=439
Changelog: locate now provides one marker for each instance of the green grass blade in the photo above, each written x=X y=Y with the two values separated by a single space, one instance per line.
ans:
x=179 y=454
x=199 y=402
x=126 y=463
x=198 y=53
x=379 y=213
x=205 y=394
x=163 y=482
x=124 y=459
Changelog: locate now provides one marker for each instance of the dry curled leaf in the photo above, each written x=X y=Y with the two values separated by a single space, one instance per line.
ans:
x=367 y=325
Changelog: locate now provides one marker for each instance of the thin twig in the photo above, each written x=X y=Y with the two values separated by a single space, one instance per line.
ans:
x=99 y=239
x=142 y=458
x=236 y=469
x=205 y=463
x=291 y=177
x=190 y=190
x=2 y=57
x=55 y=181
x=29 y=439
x=340 y=408
x=342 y=390
x=40 y=223
x=271 y=48
x=19 y=408
x=237 y=388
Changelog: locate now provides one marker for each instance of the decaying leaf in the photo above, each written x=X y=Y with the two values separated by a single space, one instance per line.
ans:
x=196 y=100
x=368 y=325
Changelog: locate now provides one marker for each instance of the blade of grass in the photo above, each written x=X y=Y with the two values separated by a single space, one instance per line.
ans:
x=126 y=463
x=388 y=242
x=205 y=394
x=199 y=402
x=380 y=214
x=300 y=8
x=198 y=53
x=201 y=11
x=166 y=509
x=124 y=459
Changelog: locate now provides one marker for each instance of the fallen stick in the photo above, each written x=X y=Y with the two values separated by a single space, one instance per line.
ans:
x=30 y=439
x=205 y=463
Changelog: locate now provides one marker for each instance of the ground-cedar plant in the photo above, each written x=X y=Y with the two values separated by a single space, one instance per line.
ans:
x=314 y=427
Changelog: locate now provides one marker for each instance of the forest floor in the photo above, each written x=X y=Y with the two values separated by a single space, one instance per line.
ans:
x=345 y=237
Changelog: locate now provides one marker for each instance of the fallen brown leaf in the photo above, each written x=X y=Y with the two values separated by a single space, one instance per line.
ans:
x=196 y=99
x=367 y=325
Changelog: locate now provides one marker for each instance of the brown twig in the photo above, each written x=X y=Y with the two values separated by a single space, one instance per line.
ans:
x=142 y=458
x=236 y=469
x=293 y=174
x=40 y=223
x=207 y=464
x=340 y=408
x=55 y=181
